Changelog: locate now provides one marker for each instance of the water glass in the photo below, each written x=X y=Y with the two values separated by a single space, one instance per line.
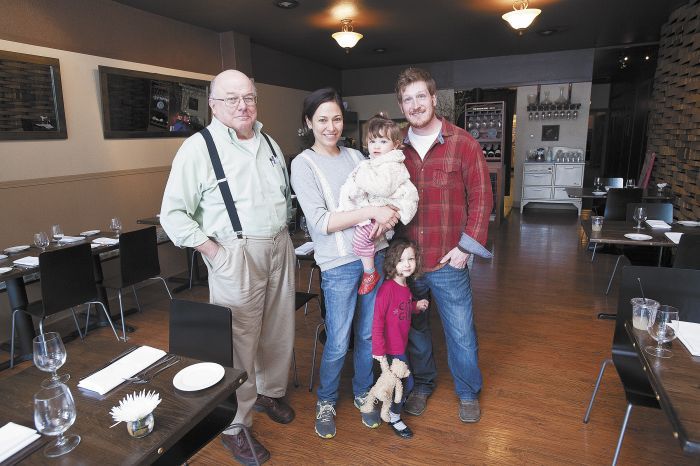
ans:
x=49 y=355
x=597 y=223
x=41 y=240
x=663 y=327
x=630 y=183
x=640 y=215
x=57 y=233
x=54 y=413
x=642 y=310
x=597 y=185
x=115 y=225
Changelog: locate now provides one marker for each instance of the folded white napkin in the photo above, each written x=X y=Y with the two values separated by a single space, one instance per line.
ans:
x=89 y=232
x=71 y=239
x=106 y=379
x=658 y=224
x=673 y=236
x=14 y=437
x=106 y=241
x=304 y=249
x=27 y=261
x=689 y=335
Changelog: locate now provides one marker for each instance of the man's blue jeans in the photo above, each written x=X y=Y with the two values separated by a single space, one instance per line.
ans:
x=343 y=305
x=451 y=290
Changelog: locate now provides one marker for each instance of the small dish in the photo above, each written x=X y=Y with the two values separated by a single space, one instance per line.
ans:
x=14 y=249
x=198 y=376
x=637 y=236
x=3 y=256
x=598 y=193
x=5 y=269
x=688 y=223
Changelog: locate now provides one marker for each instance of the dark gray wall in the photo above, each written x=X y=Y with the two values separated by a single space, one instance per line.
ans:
x=491 y=72
x=280 y=69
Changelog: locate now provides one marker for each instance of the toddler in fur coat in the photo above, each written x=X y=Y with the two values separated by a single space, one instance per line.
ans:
x=382 y=180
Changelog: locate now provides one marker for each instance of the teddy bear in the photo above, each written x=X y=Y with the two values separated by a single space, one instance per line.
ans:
x=388 y=384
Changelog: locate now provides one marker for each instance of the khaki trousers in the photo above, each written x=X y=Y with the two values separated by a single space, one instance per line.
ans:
x=254 y=277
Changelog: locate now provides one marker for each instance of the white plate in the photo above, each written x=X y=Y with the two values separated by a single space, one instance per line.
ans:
x=688 y=223
x=14 y=249
x=198 y=376
x=3 y=256
x=637 y=236
x=598 y=193
x=89 y=232
x=5 y=269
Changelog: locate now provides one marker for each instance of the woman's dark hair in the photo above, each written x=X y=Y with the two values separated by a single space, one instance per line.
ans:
x=315 y=99
x=393 y=257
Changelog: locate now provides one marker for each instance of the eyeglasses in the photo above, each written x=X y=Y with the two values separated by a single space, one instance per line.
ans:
x=419 y=99
x=249 y=100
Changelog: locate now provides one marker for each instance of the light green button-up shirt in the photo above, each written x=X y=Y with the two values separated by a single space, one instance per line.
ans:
x=193 y=208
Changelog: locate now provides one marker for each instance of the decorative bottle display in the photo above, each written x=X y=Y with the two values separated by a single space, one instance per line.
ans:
x=485 y=122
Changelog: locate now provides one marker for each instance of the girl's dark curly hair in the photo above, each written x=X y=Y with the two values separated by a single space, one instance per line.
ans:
x=393 y=257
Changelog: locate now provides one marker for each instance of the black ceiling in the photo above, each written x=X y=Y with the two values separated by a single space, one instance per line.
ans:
x=416 y=31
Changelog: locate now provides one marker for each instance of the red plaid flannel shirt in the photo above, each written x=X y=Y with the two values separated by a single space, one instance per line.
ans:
x=454 y=192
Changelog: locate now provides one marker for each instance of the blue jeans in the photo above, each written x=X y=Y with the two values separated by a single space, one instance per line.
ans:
x=407 y=383
x=451 y=290
x=343 y=305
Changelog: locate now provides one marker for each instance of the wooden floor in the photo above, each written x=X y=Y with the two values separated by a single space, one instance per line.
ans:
x=540 y=350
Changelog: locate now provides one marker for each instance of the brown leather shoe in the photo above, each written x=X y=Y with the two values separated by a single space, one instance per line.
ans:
x=276 y=408
x=239 y=446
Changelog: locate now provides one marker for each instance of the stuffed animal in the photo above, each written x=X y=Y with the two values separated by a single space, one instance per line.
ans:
x=388 y=384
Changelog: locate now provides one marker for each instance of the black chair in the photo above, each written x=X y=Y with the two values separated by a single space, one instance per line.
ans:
x=688 y=252
x=617 y=200
x=138 y=257
x=674 y=286
x=599 y=204
x=203 y=331
x=301 y=298
x=643 y=255
x=67 y=280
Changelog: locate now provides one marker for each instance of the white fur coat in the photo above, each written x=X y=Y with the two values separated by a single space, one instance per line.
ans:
x=379 y=182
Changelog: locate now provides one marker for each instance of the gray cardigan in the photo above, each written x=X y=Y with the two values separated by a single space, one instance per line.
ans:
x=330 y=249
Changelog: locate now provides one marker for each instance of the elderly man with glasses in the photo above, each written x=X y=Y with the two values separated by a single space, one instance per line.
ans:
x=244 y=243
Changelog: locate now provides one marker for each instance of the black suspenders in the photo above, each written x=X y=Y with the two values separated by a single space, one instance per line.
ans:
x=223 y=184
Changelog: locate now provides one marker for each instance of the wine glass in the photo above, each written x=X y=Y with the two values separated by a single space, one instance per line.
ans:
x=57 y=233
x=662 y=327
x=54 y=413
x=640 y=215
x=49 y=355
x=630 y=183
x=41 y=240
x=596 y=184
x=115 y=225
x=304 y=227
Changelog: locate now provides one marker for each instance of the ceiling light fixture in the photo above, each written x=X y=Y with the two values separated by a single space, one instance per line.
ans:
x=521 y=16
x=286 y=4
x=347 y=38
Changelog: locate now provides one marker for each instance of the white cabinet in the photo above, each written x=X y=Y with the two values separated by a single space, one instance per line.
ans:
x=547 y=182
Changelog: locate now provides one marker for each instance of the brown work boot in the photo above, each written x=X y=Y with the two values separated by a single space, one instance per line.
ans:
x=276 y=408
x=239 y=446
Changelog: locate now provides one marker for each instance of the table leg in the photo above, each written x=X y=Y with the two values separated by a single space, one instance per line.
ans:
x=24 y=327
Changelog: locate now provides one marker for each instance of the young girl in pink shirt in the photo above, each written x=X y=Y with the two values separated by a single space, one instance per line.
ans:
x=392 y=317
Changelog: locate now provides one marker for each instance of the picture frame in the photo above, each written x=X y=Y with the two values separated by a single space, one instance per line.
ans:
x=550 y=132
x=137 y=104
x=31 y=97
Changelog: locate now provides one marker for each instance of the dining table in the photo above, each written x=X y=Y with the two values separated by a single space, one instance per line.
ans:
x=19 y=276
x=675 y=382
x=185 y=421
x=648 y=195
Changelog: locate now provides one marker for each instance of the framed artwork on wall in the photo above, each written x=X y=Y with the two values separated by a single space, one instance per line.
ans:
x=30 y=97
x=550 y=132
x=136 y=104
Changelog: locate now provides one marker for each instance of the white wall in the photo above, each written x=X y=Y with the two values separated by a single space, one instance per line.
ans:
x=279 y=110
x=528 y=133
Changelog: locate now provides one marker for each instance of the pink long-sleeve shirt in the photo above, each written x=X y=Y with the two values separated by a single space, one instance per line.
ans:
x=393 y=307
